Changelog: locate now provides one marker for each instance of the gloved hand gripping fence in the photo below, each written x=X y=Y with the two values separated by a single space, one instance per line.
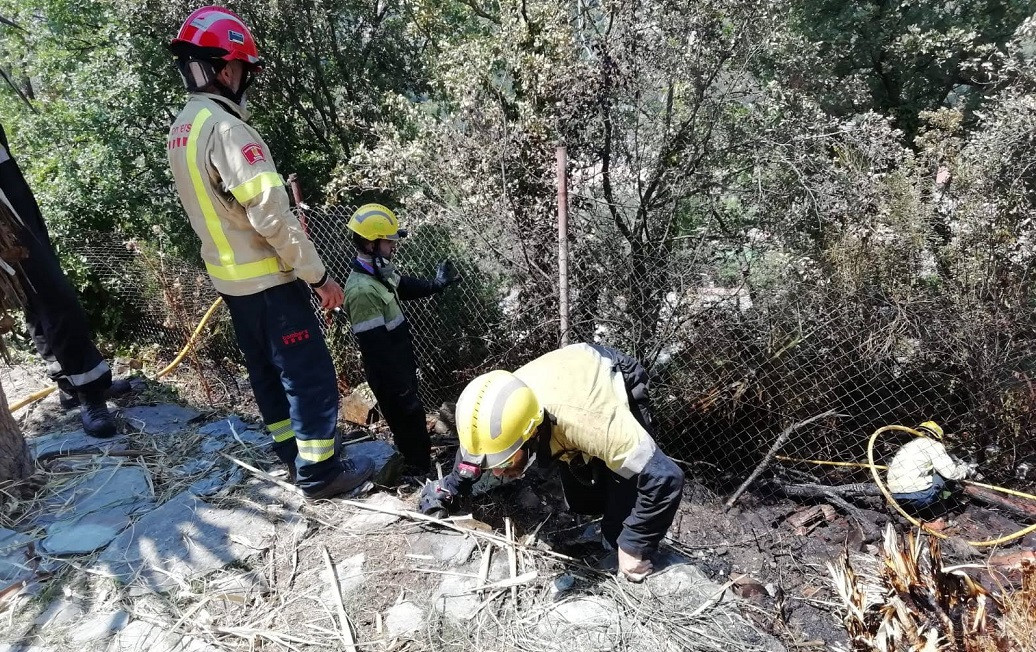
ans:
x=446 y=275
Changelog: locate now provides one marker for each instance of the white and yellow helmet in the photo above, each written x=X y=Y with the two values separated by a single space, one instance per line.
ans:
x=496 y=414
x=375 y=222
x=932 y=429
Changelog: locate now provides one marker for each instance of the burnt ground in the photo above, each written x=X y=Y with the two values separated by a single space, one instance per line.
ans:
x=773 y=550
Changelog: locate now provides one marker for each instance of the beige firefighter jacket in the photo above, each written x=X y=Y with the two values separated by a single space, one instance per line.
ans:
x=913 y=465
x=587 y=396
x=236 y=201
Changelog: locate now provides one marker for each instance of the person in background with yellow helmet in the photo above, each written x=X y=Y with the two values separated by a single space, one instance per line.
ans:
x=372 y=300
x=585 y=405
x=256 y=253
x=919 y=470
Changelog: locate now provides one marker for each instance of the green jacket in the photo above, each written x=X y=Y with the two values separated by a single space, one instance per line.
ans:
x=381 y=329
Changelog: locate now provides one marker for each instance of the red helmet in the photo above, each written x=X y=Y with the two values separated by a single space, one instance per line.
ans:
x=218 y=33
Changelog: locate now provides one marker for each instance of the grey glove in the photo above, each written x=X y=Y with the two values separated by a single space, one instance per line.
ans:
x=435 y=500
x=446 y=275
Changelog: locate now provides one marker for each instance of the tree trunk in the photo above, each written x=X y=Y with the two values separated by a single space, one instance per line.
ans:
x=14 y=454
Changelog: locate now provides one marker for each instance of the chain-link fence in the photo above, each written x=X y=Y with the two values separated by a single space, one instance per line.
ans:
x=741 y=347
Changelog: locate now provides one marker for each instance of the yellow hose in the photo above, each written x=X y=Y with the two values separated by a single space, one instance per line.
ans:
x=192 y=339
x=888 y=495
x=863 y=465
x=32 y=398
x=43 y=393
x=882 y=467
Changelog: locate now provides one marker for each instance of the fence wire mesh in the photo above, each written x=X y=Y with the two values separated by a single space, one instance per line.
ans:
x=738 y=353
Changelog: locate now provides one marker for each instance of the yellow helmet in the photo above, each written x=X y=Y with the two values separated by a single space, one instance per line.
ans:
x=496 y=414
x=375 y=222
x=931 y=428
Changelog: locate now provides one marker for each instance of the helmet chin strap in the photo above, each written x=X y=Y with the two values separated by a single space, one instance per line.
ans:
x=199 y=73
x=238 y=96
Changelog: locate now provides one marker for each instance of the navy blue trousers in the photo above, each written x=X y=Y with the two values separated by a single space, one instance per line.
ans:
x=53 y=315
x=637 y=511
x=924 y=498
x=292 y=377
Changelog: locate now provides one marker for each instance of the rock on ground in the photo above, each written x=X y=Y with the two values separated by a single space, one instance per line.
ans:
x=369 y=520
x=584 y=622
x=403 y=619
x=163 y=419
x=95 y=509
x=59 y=613
x=183 y=539
x=99 y=627
x=76 y=441
x=14 y=555
x=220 y=434
x=350 y=577
x=139 y=636
x=454 y=549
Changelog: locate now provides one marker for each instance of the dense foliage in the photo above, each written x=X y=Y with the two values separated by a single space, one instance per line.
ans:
x=856 y=176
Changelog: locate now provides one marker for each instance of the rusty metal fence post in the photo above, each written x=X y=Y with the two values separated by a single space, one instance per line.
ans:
x=562 y=159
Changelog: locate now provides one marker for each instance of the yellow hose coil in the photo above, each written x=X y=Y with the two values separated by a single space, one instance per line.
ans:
x=892 y=501
x=43 y=393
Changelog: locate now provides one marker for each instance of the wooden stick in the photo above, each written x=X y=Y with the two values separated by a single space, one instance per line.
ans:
x=483 y=571
x=343 y=619
x=413 y=516
x=1018 y=507
x=436 y=571
x=781 y=439
x=512 y=558
x=714 y=597
x=485 y=603
x=263 y=474
x=512 y=583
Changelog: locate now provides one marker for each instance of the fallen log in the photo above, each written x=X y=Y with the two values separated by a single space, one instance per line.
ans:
x=855 y=490
x=1017 y=506
x=836 y=495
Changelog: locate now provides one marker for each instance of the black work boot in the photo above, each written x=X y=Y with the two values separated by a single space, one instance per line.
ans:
x=119 y=387
x=97 y=420
x=355 y=471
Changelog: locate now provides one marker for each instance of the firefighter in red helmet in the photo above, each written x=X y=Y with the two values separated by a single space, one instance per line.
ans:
x=256 y=253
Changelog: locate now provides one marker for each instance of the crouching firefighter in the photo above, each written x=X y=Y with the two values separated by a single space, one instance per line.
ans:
x=584 y=405
x=256 y=253
x=919 y=473
x=372 y=295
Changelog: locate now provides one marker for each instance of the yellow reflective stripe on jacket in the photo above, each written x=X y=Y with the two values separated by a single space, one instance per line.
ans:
x=245 y=270
x=251 y=189
x=212 y=223
x=316 y=450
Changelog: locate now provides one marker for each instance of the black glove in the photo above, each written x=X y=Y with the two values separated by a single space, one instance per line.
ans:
x=435 y=500
x=446 y=275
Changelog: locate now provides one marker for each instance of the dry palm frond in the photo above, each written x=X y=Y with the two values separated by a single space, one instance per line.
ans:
x=921 y=606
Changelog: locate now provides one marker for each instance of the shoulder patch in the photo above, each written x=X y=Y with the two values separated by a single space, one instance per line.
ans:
x=253 y=153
